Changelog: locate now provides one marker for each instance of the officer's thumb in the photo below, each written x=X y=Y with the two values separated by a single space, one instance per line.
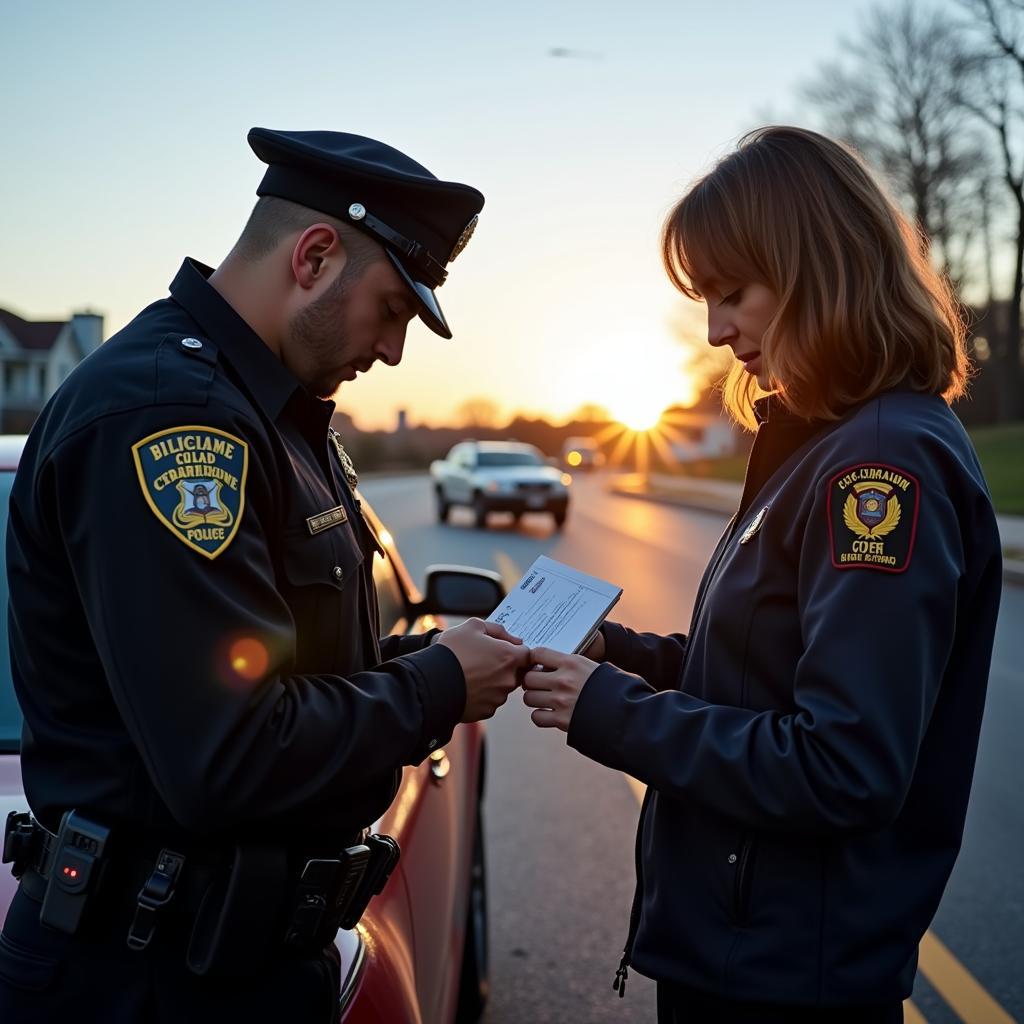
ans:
x=500 y=633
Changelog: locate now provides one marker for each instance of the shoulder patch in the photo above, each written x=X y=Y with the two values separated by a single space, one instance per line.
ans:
x=193 y=479
x=872 y=517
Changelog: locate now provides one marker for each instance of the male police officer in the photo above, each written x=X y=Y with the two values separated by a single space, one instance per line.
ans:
x=199 y=663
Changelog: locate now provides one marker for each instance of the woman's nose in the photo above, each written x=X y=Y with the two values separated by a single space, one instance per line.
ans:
x=720 y=330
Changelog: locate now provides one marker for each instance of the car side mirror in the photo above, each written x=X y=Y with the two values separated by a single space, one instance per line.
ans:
x=460 y=590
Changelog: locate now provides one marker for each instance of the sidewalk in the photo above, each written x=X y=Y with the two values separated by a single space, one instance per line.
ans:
x=723 y=496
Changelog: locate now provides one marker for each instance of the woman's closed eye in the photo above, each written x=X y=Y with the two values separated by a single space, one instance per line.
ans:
x=732 y=298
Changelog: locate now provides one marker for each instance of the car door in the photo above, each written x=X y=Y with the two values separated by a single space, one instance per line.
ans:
x=459 y=490
x=435 y=831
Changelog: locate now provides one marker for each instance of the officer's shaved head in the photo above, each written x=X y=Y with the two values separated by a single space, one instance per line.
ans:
x=274 y=219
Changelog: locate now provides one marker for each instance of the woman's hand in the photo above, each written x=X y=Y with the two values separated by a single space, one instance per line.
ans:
x=553 y=686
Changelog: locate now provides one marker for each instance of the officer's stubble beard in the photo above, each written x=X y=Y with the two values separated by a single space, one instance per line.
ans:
x=317 y=331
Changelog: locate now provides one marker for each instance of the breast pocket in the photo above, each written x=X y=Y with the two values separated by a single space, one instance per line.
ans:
x=322 y=589
x=329 y=559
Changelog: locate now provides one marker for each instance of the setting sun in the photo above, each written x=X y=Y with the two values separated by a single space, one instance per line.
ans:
x=639 y=414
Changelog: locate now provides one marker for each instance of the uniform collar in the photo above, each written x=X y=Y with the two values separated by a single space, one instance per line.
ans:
x=269 y=381
x=771 y=409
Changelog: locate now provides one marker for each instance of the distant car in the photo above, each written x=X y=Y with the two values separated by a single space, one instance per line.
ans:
x=420 y=951
x=582 y=453
x=499 y=476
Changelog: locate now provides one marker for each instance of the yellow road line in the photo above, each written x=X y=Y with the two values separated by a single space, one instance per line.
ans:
x=911 y=1014
x=947 y=975
x=509 y=571
x=971 y=1003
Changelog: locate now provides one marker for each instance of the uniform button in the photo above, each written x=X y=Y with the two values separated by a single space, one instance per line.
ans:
x=732 y=858
x=339 y=573
x=191 y=343
x=431 y=744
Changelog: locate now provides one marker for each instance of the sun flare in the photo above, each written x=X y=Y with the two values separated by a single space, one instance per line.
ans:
x=638 y=413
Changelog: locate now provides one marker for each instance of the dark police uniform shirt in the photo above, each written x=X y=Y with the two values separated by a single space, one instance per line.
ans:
x=193 y=623
x=809 y=745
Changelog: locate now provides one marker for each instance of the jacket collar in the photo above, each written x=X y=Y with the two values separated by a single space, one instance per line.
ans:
x=771 y=409
x=266 y=378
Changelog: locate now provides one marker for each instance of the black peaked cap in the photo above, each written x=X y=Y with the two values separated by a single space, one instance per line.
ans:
x=421 y=221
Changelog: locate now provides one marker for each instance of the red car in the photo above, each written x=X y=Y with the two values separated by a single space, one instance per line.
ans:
x=420 y=952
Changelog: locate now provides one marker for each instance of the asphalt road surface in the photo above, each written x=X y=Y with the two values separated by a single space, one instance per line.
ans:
x=560 y=828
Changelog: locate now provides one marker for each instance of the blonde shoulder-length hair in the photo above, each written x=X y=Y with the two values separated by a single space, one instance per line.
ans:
x=861 y=309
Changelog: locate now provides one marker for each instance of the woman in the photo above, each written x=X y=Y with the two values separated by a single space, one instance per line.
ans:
x=809 y=745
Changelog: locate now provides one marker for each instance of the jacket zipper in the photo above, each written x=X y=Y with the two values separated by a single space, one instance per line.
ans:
x=619 y=984
x=741 y=890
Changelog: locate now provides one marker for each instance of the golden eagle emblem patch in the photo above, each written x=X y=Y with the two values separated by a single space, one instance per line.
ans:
x=872 y=517
x=193 y=479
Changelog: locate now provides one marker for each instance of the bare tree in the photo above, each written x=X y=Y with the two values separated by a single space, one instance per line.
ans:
x=993 y=92
x=477 y=412
x=591 y=412
x=894 y=97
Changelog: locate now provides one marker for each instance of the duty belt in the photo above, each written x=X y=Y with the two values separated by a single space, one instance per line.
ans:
x=247 y=902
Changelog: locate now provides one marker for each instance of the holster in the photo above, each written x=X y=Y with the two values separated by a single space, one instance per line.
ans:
x=334 y=893
x=255 y=903
x=240 y=915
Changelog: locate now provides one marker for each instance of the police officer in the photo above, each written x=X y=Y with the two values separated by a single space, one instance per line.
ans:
x=208 y=708
x=808 y=744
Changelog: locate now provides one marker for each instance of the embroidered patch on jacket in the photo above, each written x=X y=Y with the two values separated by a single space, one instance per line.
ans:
x=193 y=478
x=872 y=517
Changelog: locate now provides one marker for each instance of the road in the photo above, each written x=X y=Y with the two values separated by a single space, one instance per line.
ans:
x=560 y=828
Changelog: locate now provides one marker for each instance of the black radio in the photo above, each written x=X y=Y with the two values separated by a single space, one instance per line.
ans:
x=73 y=871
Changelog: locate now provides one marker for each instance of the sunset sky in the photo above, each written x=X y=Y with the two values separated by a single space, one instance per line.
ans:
x=124 y=150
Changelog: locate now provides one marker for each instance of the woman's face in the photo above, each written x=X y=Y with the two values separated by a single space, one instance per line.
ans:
x=739 y=313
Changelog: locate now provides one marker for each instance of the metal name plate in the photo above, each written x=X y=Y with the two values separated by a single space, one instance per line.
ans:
x=325 y=520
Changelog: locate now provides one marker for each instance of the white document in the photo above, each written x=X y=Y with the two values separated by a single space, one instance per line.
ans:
x=556 y=606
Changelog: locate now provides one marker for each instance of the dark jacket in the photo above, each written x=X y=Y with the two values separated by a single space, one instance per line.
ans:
x=212 y=670
x=809 y=746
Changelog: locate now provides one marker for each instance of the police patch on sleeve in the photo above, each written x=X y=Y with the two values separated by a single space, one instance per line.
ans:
x=872 y=517
x=193 y=478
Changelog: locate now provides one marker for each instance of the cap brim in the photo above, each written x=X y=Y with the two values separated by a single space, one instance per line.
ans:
x=429 y=309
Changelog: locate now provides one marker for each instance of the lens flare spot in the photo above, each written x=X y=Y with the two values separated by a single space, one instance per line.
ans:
x=249 y=658
x=574 y=458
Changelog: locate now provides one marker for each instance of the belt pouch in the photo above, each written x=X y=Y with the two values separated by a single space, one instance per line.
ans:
x=239 y=917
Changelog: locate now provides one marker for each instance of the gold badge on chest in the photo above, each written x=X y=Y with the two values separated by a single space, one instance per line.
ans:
x=347 y=468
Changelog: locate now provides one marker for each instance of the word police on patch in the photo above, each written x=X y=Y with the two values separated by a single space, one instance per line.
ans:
x=872 y=517
x=193 y=479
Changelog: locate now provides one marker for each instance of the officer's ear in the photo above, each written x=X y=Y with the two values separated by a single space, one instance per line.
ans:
x=318 y=255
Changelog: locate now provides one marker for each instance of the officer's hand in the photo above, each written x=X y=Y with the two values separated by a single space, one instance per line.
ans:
x=493 y=662
x=553 y=686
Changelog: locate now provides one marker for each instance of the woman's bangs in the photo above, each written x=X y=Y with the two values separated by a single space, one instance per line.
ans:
x=698 y=243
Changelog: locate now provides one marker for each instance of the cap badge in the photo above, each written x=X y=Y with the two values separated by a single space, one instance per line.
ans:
x=467 y=234
x=357 y=211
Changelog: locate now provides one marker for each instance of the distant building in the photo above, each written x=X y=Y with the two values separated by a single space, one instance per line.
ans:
x=35 y=356
x=700 y=435
x=402 y=422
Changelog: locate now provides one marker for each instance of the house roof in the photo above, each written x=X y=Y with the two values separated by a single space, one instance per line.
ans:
x=38 y=335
